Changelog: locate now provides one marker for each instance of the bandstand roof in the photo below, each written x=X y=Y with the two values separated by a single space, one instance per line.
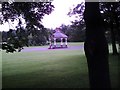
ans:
x=58 y=34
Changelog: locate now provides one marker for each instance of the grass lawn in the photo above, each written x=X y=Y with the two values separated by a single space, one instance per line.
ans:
x=50 y=69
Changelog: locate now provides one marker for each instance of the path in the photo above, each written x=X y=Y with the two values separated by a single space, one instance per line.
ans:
x=30 y=49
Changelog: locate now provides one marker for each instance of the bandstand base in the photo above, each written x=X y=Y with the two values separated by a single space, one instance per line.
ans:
x=57 y=47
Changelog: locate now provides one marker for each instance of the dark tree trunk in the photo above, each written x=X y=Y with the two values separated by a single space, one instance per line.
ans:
x=118 y=29
x=114 y=48
x=96 y=48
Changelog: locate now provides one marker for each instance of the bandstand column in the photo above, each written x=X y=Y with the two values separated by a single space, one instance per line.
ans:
x=61 y=42
x=54 y=42
x=50 y=45
x=66 y=42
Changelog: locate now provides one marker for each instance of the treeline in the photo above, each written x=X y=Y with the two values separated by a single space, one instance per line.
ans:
x=26 y=37
x=41 y=37
x=75 y=33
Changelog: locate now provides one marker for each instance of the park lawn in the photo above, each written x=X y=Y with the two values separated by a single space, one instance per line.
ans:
x=50 y=69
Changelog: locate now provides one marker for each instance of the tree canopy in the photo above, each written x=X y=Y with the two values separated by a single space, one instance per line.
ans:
x=32 y=12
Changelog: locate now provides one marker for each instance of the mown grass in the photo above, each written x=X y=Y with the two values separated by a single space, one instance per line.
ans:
x=114 y=64
x=50 y=69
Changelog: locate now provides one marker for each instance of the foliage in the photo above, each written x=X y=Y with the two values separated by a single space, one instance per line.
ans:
x=110 y=13
x=32 y=12
x=77 y=11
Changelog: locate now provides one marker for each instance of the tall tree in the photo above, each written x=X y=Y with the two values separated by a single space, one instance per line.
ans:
x=96 y=48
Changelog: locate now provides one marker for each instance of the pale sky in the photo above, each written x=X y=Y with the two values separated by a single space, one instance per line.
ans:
x=55 y=19
x=59 y=15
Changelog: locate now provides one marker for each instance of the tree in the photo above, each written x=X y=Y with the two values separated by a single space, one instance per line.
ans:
x=111 y=17
x=32 y=12
x=77 y=29
x=96 y=48
x=75 y=32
